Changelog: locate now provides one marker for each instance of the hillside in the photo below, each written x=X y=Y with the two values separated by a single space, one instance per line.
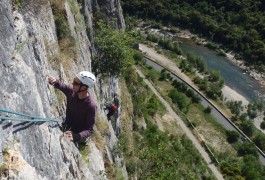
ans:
x=236 y=25
x=146 y=138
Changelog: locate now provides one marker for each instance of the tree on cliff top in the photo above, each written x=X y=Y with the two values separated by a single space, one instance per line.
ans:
x=114 y=50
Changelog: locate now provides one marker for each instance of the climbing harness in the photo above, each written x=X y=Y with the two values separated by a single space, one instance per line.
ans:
x=30 y=117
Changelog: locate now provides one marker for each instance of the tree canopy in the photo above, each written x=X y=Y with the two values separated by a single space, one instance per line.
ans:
x=238 y=25
x=114 y=50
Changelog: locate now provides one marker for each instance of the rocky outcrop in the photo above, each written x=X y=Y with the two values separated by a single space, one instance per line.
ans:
x=29 y=52
x=112 y=10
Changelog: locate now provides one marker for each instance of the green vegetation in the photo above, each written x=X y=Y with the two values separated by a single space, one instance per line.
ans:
x=237 y=25
x=262 y=125
x=145 y=103
x=61 y=22
x=256 y=106
x=208 y=110
x=252 y=168
x=232 y=136
x=259 y=140
x=20 y=46
x=181 y=87
x=165 y=43
x=3 y=166
x=168 y=157
x=244 y=120
x=157 y=154
x=180 y=99
x=75 y=8
x=235 y=107
x=3 y=170
x=197 y=62
x=67 y=43
x=211 y=84
x=84 y=151
x=233 y=166
x=16 y=4
x=114 y=50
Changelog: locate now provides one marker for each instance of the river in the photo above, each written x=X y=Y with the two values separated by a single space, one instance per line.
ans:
x=231 y=73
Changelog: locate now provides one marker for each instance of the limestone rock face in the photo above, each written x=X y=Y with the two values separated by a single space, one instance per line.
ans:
x=111 y=8
x=29 y=52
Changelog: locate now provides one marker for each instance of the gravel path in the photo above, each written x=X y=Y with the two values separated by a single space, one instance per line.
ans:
x=185 y=129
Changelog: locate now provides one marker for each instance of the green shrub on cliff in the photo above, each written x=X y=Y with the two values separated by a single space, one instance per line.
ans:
x=114 y=50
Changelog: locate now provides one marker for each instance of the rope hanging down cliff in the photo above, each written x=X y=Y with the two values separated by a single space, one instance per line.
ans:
x=29 y=118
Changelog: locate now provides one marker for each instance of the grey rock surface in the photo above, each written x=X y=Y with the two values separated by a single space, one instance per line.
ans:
x=28 y=40
x=7 y=34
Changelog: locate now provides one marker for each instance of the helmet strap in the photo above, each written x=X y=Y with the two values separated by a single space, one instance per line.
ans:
x=79 y=90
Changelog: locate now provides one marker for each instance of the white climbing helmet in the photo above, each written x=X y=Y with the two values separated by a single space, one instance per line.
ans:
x=87 y=78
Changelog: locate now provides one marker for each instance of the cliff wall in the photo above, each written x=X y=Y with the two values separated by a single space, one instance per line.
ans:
x=30 y=50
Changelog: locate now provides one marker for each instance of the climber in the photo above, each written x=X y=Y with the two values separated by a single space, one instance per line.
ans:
x=112 y=107
x=81 y=107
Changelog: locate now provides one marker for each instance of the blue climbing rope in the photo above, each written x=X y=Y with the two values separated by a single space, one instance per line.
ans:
x=19 y=119
x=32 y=118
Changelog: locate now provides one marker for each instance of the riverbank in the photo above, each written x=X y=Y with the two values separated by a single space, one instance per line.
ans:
x=260 y=77
x=228 y=93
x=231 y=95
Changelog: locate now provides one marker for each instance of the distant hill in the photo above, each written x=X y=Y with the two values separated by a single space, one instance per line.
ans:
x=236 y=24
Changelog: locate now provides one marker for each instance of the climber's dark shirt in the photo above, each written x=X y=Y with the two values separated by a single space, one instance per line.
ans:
x=80 y=113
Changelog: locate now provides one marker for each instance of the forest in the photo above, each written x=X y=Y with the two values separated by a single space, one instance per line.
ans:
x=237 y=25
